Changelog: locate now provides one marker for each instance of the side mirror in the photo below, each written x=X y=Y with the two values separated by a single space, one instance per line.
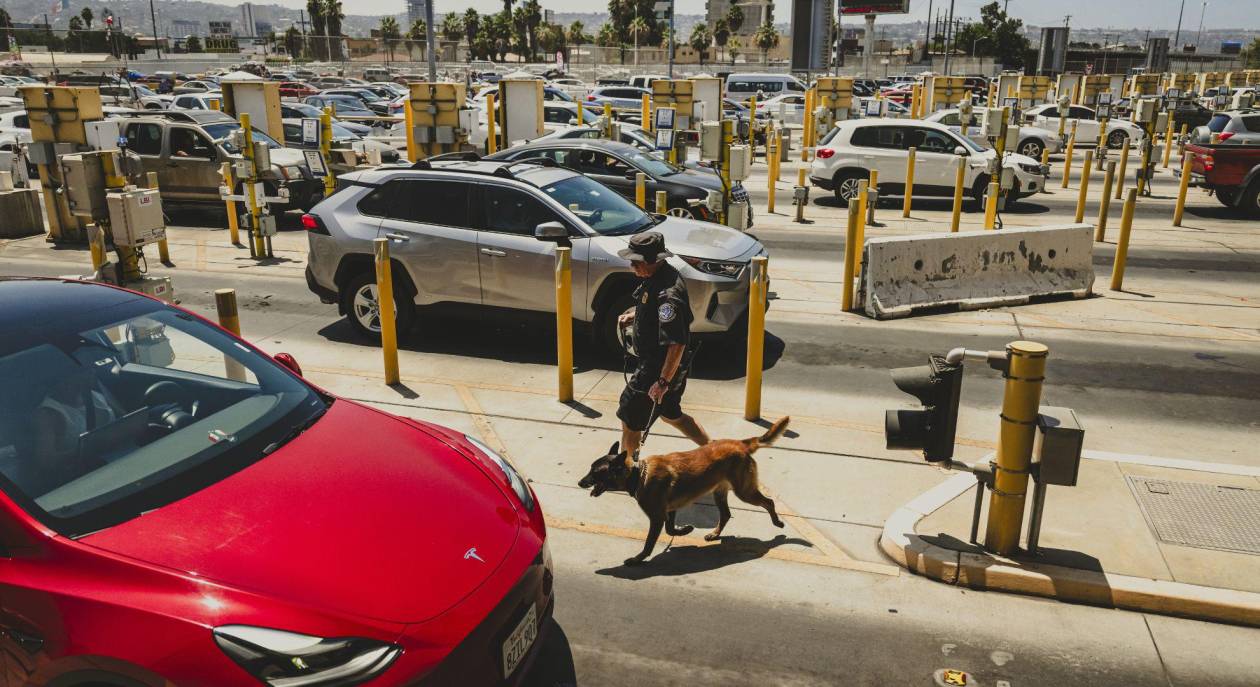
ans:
x=551 y=231
x=290 y=362
x=960 y=151
x=573 y=121
x=631 y=174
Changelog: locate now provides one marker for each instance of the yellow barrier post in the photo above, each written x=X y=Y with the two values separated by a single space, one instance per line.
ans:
x=409 y=115
x=909 y=194
x=850 y=255
x=578 y=102
x=863 y=186
x=1026 y=368
x=564 y=323
x=1104 y=203
x=492 y=143
x=1181 y=191
x=1067 y=157
x=1122 y=246
x=164 y=250
x=325 y=145
x=1080 y=197
x=772 y=153
x=385 y=309
x=1124 y=164
x=778 y=157
x=1146 y=165
x=640 y=189
x=229 y=319
x=646 y=112
x=234 y=229
x=96 y=245
x=1168 y=139
x=257 y=247
x=809 y=124
x=869 y=216
x=959 y=179
x=757 y=292
x=662 y=203
x=991 y=204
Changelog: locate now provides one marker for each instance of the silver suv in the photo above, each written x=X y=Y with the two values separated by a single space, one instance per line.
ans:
x=1236 y=127
x=480 y=233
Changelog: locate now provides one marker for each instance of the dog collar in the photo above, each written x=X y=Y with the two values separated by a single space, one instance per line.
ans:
x=634 y=478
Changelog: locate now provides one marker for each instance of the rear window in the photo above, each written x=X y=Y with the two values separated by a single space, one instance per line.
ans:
x=1218 y=123
x=894 y=137
x=424 y=201
x=1252 y=123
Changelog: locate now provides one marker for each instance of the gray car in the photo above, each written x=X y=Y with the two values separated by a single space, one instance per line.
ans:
x=1236 y=127
x=465 y=232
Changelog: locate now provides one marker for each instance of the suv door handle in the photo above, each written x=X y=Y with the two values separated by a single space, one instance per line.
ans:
x=397 y=236
x=495 y=253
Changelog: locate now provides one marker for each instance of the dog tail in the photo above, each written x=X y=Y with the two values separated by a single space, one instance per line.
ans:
x=772 y=435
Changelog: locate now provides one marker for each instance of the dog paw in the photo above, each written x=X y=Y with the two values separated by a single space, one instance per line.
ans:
x=682 y=531
x=712 y=536
x=778 y=523
x=633 y=561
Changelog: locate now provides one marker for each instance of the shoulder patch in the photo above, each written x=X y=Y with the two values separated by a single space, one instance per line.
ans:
x=666 y=312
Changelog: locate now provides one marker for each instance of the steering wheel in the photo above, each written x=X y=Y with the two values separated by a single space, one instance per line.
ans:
x=169 y=402
x=596 y=215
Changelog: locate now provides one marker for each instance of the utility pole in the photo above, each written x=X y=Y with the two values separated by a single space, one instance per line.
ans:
x=153 y=17
x=430 y=37
x=671 y=39
x=949 y=36
x=1177 y=37
x=927 y=40
x=1199 y=37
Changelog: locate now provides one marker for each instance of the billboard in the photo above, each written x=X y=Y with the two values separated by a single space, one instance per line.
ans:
x=811 y=34
x=874 y=6
x=1052 y=57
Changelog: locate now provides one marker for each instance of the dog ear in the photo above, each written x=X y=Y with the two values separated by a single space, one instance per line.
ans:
x=615 y=448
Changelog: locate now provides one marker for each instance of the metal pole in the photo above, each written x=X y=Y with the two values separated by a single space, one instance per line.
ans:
x=1026 y=369
x=670 y=47
x=430 y=37
x=1104 y=203
x=949 y=36
x=850 y=257
x=153 y=17
x=756 y=337
x=1177 y=36
x=564 y=323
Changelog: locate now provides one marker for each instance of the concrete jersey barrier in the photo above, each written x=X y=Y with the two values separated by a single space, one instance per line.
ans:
x=978 y=269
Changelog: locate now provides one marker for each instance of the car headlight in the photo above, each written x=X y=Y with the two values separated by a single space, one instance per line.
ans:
x=289 y=659
x=720 y=268
x=1030 y=168
x=293 y=172
x=514 y=478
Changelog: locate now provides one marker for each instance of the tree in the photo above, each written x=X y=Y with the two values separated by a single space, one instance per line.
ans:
x=76 y=24
x=765 y=38
x=638 y=29
x=735 y=45
x=193 y=44
x=87 y=16
x=452 y=27
x=333 y=17
x=735 y=18
x=552 y=39
x=721 y=34
x=533 y=18
x=390 y=34
x=292 y=42
x=315 y=8
x=1250 y=55
x=6 y=28
x=700 y=40
x=995 y=35
x=472 y=24
x=577 y=34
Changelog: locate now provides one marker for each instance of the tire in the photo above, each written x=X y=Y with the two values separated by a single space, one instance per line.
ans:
x=606 y=330
x=1116 y=139
x=847 y=186
x=1226 y=196
x=1249 y=204
x=978 y=189
x=359 y=301
x=1031 y=147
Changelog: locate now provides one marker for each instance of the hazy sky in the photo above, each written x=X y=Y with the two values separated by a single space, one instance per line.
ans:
x=1142 y=14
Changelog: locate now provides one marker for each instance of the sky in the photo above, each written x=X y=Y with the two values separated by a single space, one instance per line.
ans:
x=1141 y=14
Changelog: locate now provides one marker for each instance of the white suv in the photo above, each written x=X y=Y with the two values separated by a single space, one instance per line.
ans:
x=848 y=153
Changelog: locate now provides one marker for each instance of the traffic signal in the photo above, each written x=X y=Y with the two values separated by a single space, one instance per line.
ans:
x=937 y=386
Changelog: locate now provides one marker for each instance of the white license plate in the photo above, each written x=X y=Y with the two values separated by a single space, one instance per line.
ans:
x=518 y=643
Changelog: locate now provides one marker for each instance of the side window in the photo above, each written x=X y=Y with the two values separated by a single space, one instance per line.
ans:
x=557 y=115
x=1251 y=123
x=438 y=202
x=951 y=119
x=376 y=203
x=1051 y=112
x=893 y=137
x=22 y=121
x=929 y=141
x=739 y=87
x=511 y=211
x=189 y=143
x=794 y=86
x=1077 y=112
x=293 y=133
x=145 y=139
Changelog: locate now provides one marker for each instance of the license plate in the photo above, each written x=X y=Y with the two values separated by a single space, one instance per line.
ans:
x=518 y=643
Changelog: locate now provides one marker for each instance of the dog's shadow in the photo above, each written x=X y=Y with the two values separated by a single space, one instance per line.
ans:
x=688 y=558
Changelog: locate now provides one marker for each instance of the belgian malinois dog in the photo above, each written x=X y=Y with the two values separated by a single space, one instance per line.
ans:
x=663 y=484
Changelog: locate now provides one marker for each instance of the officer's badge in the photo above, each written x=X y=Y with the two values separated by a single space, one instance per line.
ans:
x=666 y=312
x=645 y=296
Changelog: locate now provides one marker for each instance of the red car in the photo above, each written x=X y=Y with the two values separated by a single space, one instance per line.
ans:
x=179 y=508
x=296 y=89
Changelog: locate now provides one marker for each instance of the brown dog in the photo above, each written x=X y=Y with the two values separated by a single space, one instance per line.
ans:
x=663 y=484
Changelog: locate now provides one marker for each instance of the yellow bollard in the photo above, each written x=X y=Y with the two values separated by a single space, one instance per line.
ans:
x=492 y=143
x=1021 y=400
x=991 y=204
x=863 y=186
x=909 y=194
x=258 y=248
x=640 y=189
x=1080 y=197
x=1168 y=139
x=850 y=255
x=564 y=323
x=1124 y=164
x=1067 y=157
x=413 y=150
x=96 y=244
x=960 y=178
x=234 y=228
x=778 y=158
x=325 y=146
x=809 y=125
x=578 y=102
x=229 y=319
x=662 y=203
x=646 y=112
x=800 y=207
x=164 y=249
x=1184 y=186
x=1146 y=165
x=772 y=152
x=385 y=309
x=1181 y=140
x=869 y=215
x=758 y=286
x=1122 y=246
x=1104 y=203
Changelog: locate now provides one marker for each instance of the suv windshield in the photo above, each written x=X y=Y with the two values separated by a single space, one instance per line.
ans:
x=114 y=413
x=1218 y=123
x=603 y=209
x=220 y=133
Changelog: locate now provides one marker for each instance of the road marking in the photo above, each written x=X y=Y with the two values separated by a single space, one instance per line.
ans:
x=480 y=421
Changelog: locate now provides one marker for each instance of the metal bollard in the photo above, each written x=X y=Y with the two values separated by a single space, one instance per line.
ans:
x=413 y=151
x=758 y=290
x=872 y=196
x=959 y=179
x=564 y=323
x=234 y=227
x=1021 y=399
x=96 y=244
x=1045 y=169
x=1122 y=246
x=770 y=183
x=1168 y=136
x=640 y=190
x=850 y=255
x=800 y=195
x=492 y=143
x=909 y=194
x=662 y=203
x=1124 y=164
x=991 y=204
x=229 y=319
x=1104 y=203
x=863 y=200
x=1080 y=197
x=1067 y=157
x=1184 y=186
x=385 y=309
x=164 y=250
x=1181 y=140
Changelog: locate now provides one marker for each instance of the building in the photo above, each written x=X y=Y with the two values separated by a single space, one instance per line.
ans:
x=416 y=10
x=756 y=13
x=247 y=19
x=185 y=27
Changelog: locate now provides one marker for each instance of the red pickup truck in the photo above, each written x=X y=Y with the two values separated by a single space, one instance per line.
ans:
x=1232 y=171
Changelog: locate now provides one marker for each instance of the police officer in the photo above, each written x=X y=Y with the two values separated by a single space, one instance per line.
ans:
x=661 y=318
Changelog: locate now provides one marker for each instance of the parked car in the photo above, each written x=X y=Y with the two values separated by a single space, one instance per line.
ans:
x=1032 y=139
x=396 y=89
x=1231 y=170
x=549 y=93
x=301 y=110
x=195 y=87
x=370 y=100
x=467 y=232
x=9 y=85
x=183 y=477
x=1087 y=126
x=1237 y=127
x=620 y=97
x=212 y=100
x=341 y=138
x=792 y=105
x=1191 y=114
x=342 y=105
x=296 y=89
x=615 y=165
x=645 y=80
x=848 y=153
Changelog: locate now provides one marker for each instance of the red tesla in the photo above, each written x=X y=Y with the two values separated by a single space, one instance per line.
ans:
x=180 y=508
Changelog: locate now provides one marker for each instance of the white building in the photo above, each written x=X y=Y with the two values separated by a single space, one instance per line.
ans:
x=247 y=19
x=756 y=12
x=416 y=10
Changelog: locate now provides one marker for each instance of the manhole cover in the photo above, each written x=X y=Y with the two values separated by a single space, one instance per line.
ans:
x=1205 y=516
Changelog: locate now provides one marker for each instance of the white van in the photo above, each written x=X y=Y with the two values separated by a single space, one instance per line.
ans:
x=766 y=85
x=645 y=80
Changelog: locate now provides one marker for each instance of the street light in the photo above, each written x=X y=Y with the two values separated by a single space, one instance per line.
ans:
x=973 y=44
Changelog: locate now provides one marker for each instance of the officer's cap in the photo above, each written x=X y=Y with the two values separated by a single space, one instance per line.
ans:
x=647 y=246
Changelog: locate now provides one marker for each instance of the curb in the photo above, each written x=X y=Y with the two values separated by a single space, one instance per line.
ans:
x=995 y=573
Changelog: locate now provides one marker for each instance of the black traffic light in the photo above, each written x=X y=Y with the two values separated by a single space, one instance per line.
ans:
x=937 y=386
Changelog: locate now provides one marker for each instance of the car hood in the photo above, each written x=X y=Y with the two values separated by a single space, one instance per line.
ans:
x=702 y=178
x=703 y=239
x=363 y=513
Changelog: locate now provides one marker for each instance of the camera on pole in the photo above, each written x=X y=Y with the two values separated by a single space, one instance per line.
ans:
x=937 y=386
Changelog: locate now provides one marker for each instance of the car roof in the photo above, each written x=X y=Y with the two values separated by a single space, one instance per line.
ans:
x=593 y=143
x=27 y=300
x=533 y=174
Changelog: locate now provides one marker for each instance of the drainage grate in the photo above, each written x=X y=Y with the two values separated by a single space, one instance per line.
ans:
x=1205 y=516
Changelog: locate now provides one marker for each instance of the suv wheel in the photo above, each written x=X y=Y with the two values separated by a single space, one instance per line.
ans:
x=1032 y=148
x=1250 y=202
x=1115 y=139
x=359 y=300
x=847 y=186
x=1226 y=196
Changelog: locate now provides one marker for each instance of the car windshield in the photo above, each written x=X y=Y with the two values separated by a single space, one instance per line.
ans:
x=650 y=164
x=603 y=209
x=142 y=90
x=304 y=109
x=112 y=413
x=367 y=96
x=1218 y=123
x=220 y=132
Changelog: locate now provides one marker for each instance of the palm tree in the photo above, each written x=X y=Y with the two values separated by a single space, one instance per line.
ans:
x=390 y=34
x=765 y=38
x=700 y=40
x=315 y=8
x=735 y=18
x=87 y=16
x=735 y=45
x=533 y=17
x=418 y=33
x=332 y=18
x=472 y=23
x=721 y=34
x=638 y=28
x=577 y=34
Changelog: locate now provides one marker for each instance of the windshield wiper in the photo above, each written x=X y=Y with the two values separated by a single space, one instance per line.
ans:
x=294 y=431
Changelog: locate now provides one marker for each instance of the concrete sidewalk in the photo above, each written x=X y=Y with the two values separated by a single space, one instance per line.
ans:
x=1138 y=532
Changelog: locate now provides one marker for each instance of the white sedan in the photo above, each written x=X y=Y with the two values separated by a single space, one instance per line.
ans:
x=1032 y=139
x=791 y=105
x=1087 y=125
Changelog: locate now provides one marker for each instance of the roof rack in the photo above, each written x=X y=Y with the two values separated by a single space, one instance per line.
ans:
x=503 y=170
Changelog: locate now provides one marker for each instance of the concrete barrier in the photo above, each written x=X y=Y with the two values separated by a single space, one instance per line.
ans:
x=978 y=269
x=21 y=213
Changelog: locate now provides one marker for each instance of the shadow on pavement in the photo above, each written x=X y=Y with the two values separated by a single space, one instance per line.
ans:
x=554 y=665
x=689 y=559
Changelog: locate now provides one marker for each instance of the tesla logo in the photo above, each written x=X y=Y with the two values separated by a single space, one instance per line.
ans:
x=472 y=553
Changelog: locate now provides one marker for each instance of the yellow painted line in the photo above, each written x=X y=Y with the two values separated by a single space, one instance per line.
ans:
x=201 y=256
x=480 y=421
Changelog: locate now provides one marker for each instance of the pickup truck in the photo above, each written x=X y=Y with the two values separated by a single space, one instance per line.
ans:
x=1232 y=171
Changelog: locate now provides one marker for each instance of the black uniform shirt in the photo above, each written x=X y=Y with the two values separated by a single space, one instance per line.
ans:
x=662 y=318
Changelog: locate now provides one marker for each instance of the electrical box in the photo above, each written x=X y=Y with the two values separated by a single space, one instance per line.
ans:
x=136 y=217
x=157 y=287
x=965 y=109
x=737 y=216
x=83 y=176
x=991 y=122
x=823 y=121
x=741 y=162
x=1011 y=143
x=713 y=201
x=262 y=156
x=706 y=98
x=1144 y=110
x=1057 y=446
x=711 y=140
x=241 y=169
x=267 y=225
x=1161 y=121
x=102 y=134
x=1007 y=180
x=1244 y=100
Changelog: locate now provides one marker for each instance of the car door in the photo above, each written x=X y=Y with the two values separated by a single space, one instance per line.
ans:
x=145 y=140
x=934 y=165
x=1086 y=127
x=610 y=171
x=884 y=148
x=191 y=167
x=518 y=270
x=431 y=233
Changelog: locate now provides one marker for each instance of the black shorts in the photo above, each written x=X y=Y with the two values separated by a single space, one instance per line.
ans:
x=635 y=408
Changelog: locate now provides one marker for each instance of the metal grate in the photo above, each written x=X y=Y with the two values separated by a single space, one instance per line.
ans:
x=1205 y=516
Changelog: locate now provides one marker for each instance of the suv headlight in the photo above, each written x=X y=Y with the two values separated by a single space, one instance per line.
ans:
x=289 y=659
x=720 y=268
x=1030 y=168
x=514 y=478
